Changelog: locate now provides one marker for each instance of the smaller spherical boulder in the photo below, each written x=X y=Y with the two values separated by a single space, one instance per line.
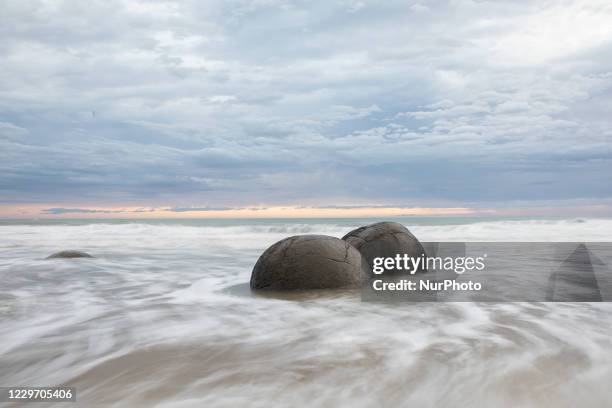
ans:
x=309 y=262
x=69 y=254
x=386 y=240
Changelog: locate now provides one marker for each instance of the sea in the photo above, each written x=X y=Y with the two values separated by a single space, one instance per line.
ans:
x=162 y=316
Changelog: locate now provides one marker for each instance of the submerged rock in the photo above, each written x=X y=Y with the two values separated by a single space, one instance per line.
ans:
x=384 y=239
x=69 y=254
x=309 y=262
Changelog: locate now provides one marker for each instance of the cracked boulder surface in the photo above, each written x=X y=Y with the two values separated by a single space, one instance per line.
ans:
x=69 y=254
x=384 y=239
x=309 y=262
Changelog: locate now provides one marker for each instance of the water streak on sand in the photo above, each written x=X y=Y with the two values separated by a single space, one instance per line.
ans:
x=159 y=318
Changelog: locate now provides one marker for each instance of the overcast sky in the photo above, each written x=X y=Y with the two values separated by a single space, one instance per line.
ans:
x=244 y=103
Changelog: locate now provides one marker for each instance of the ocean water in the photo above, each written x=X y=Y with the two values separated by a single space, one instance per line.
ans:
x=161 y=317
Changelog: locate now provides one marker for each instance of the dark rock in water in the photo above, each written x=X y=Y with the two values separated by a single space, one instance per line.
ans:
x=309 y=262
x=69 y=254
x=385 y=239
x=575 y=280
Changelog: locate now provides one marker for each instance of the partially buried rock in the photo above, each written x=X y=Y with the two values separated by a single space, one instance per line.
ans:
x=309 y=262
x=386 y=240
x=69 y=254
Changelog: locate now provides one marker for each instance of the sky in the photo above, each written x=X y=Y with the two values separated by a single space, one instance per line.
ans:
x=184 y=108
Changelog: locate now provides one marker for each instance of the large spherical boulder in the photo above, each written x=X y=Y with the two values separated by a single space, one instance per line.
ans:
x=309 y=262
x=385 y=239
x=69 y=254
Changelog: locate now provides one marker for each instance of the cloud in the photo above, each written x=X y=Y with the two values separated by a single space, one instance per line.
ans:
x=9 y=131
x=250 y=103
x=58 y=211
x=199 y=209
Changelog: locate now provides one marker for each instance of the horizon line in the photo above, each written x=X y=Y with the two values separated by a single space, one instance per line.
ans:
x=46 y=211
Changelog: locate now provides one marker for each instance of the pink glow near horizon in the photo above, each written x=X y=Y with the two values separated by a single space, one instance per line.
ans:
x=42 y=211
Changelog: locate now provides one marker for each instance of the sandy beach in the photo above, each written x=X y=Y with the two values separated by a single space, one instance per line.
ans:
x=162 y=317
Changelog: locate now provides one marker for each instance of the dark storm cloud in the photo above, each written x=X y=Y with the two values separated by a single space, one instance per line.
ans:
x=240 y=103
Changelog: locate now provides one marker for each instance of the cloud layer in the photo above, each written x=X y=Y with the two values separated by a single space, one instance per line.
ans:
x=223 y=104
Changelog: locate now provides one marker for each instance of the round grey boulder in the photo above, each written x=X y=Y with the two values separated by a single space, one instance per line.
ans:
x=69 y=254
x=309 y=262
x=386 y=240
